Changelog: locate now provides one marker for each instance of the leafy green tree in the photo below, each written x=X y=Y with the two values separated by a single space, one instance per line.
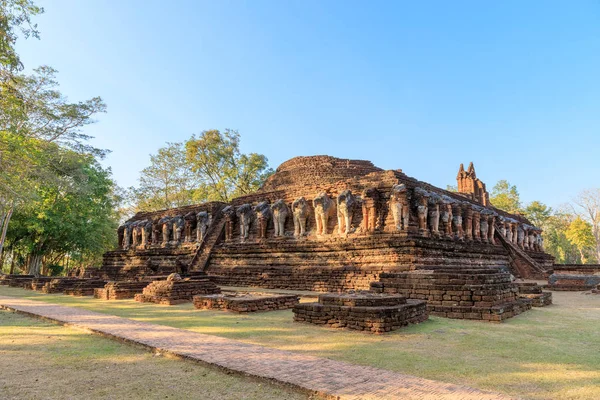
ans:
x=225 y=172
x=77 y=215
x=38 y=123
x=538 y=213
x=506 y=197
x=579 y=233
x=168 y=182
x=587 y=207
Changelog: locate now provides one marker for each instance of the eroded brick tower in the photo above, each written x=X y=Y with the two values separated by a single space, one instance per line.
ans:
x=471 y=186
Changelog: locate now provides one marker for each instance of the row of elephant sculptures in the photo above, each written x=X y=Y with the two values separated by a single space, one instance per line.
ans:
x=436 y=215
x=164 y=230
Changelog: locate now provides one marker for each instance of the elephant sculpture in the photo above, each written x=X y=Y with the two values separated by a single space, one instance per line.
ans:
x=422 y=208
x=263 y=215
x=202 y=220
x=229 y=215
x=189 y=221
x=345 y=211
x=300 y=214
x=399 y=206
x=178 y=223
x=245 y=214
x=323 y=206
x=165 y=225
x=280 y=212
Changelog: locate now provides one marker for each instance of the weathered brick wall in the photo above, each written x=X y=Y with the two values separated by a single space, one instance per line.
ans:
x=339 y=265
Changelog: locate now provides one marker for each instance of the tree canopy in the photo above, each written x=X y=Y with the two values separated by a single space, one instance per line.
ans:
x=207 y=167
x=56 y=201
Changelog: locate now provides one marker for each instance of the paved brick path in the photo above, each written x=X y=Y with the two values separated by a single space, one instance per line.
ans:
x=320 y=375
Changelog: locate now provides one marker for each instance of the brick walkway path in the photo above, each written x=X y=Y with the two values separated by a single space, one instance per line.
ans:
x=320 y=375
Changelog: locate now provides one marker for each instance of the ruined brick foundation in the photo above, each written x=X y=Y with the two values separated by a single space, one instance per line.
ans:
x=245 y=303
x=120 y=290
x=363 y=311
x=533 y=292
x=176 y=292
x=470 y=293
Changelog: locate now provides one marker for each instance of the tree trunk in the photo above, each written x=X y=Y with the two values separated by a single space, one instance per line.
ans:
x=12 y=263
x=35 y=260
x=4 y=227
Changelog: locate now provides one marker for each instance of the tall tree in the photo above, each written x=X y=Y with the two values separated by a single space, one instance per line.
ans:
x=168 y=182
x=587 y=207
x=73 y=214
x=579 y=233
x=225 y=171
x=37 y=121
x=538 y=213
x=506 y=197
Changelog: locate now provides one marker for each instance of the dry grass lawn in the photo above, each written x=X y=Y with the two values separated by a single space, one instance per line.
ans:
x=40 y=360
x=545 y=353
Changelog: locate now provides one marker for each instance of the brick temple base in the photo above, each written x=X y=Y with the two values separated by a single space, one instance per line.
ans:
x=533 y=292
x=245 y=303
x=475 y=293
x=573 y=282
x=363 y=311
x=84 y=287
x=176 y=292
x=120 y=290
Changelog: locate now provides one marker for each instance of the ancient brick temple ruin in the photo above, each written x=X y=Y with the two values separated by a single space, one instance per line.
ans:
x=333 y=225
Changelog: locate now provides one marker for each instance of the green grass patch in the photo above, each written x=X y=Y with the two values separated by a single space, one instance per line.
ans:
x=41 y=360
x=551 y=352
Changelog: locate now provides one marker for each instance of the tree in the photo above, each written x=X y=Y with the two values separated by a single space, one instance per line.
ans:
x=75 y=216
x=225 y=172
x=587 y=207
x=579 y=233
x=506 y=197
x=15 y=17
x=168 y=182
x=538 y=213
x=36 y=122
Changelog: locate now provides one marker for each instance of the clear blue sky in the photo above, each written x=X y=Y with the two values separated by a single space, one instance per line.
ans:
x=513 y=86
